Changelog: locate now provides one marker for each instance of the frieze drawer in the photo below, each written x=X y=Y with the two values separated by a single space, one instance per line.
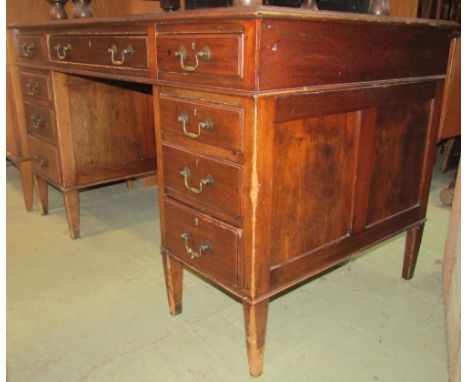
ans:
x=210 y=53
x=29 y=47
x=119 y=52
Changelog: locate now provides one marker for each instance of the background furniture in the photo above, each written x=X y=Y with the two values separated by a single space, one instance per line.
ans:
x=17 y=149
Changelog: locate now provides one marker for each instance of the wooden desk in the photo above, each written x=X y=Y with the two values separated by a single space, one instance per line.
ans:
x=287 y=140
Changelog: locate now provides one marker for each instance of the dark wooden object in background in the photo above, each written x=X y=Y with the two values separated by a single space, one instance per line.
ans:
x=17 y=149
x=57 y=9
x=82 y=9
x=260 y=208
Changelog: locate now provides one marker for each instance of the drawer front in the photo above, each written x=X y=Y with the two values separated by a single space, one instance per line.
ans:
x=203 y=182
x=120 y=52
x=207 y=244
x=218 y=125
x=36 y=87
x=210 y=57
x=40 y=121
x=44 y=159
x=29 y=48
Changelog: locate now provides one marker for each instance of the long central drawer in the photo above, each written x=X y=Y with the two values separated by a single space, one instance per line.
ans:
x=121 y=51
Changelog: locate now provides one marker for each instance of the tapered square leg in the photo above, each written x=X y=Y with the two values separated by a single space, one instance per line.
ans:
x=42 y=188
x=413 y=242
x=25 y=170
x=255 y=318
x=72 y=209
x=130 y=184
x=173 y=271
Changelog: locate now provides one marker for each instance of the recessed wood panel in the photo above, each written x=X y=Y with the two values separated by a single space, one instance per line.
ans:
x=399 y=145
x=111 y=123
x=313 y=180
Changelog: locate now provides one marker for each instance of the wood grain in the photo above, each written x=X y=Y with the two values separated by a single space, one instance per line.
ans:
x=304 y=53
x=222 y=258
x=255 y=318
x=450 y=123
x=173 y=272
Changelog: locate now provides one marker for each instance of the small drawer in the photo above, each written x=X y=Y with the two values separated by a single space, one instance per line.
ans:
x=210 y=185
x=36 y=87
x=120 y=52
x=210 y=57
x=217 y=125
x=40 y=121
x=207 y=244
x=44 y=159
x=29 y=47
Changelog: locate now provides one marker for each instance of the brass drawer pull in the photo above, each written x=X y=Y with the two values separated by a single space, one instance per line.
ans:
x=202 y=55
x=127 y=52
x=28 y=49
x=37 y=121
x=205 y=247
x=41 y=162
x=206 y=124
x=33 y=88
x=206 y=181
x=63 y=53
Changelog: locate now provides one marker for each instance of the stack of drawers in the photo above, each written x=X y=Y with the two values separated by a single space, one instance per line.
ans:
x=81 y=131
x=39 y=112
x=202 y=151
x=203 y=148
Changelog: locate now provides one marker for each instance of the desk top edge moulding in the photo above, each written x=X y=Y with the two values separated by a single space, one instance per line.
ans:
x=263 y=116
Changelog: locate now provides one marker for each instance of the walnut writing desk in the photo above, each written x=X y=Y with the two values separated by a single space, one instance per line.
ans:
x=287 y=140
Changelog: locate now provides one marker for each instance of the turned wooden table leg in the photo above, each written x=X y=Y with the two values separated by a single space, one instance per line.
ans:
x=72 y=209
x=42 y=188
x=255 y=318
x=25 y=169
x=173 y=271
x=413 y=242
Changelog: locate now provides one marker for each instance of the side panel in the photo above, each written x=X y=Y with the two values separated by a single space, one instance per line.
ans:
x=344 y=180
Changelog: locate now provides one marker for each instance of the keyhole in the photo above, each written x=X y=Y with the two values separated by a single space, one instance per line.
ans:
x=197 y=162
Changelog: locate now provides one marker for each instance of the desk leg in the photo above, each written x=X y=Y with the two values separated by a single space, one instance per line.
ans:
x=25 y=170
x=72 y=209
x=42 y=188
x=173 y=271
x=255 y=318
x=129 y=184
x=413 y=242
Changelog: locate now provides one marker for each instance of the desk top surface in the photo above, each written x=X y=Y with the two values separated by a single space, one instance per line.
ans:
x=250 y=12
